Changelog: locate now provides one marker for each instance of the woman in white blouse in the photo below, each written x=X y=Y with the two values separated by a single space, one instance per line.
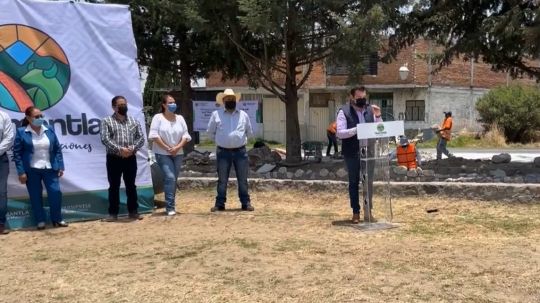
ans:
x=38 y=158
x=169 y=133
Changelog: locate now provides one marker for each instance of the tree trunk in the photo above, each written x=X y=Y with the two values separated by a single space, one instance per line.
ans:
x=292 y=125
x=185 y=103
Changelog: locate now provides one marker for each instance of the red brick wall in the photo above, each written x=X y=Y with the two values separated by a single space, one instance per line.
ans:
x=457 y=74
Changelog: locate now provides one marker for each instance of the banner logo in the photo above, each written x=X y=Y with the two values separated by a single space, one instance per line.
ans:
x=34 y=70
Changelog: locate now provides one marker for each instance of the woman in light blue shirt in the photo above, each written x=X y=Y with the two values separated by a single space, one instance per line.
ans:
x=38 y=158
x=169 y=133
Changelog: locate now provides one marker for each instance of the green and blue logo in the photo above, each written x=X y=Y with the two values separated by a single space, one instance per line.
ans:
x=34 y=70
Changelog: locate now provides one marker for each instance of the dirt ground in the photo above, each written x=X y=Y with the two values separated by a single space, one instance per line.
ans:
x=296 y=247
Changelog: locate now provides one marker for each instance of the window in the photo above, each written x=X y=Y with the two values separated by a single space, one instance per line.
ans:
x=386 y=102
x=319 y=99
x=415 y=110
x=369 y=63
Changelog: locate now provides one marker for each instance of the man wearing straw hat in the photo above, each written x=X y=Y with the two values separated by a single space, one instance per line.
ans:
x=229 y=128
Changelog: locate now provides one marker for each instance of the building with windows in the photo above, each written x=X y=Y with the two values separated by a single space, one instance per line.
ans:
x=419 y=100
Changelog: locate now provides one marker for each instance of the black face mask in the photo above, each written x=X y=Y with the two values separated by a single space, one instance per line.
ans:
x=122 y=109
x=360 y=102
x=230 y=105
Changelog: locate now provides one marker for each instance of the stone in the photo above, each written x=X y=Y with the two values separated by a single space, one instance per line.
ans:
x=299 y=173
x=275 y=175
x=498 y=173
x=282 y=170
x=195 y=174
x=331 y=176
x=430 y=189
x=290 y=175
x=400 y=170
x=530 y=178
x=261 y=155
x=266 y=168
x=309 y=172
x=536 y=162
x=341 y=173
x=197 y=158
x=501 y=158
x=324 y=172
x=412 y=173
x=429 y=173
x=268 y=175
x=420 y=171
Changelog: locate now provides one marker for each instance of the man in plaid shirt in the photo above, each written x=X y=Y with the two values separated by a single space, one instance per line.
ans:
x=122 y=136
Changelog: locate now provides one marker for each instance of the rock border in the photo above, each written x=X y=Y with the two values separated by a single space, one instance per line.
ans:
x=523 y=193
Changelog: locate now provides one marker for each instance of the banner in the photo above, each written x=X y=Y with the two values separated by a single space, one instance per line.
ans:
x=202 y=111
x=69 y=60
x=380 y=130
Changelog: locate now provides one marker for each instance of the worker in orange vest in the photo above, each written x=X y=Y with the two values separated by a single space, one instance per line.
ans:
x=407 y=154
x=332 y=139
x=445 y=134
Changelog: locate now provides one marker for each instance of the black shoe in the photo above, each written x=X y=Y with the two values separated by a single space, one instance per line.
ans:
x=135 y=216
x=60 y=224
x=110 y=218
x=3 y=230
x=248 y=208
x=217 y=208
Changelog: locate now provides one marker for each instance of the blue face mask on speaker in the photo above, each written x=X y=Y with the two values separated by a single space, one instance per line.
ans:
x=38 y=122
x=171 y=107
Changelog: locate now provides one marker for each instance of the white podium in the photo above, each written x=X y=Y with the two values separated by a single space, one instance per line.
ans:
x=373 y=139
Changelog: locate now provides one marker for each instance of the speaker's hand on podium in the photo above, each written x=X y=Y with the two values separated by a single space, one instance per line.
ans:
x=376 y=110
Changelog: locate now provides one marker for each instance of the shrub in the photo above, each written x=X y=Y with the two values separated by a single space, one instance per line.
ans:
x=515 y=109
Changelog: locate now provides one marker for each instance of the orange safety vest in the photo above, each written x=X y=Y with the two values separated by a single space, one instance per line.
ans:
x=447 y=126
x=332 y=127
x=406 y=156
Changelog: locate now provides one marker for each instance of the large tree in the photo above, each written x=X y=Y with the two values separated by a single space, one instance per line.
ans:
x=177 y=46
x=294 y=35
x=503 y=33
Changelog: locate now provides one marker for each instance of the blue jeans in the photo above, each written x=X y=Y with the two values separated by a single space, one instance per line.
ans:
x=171 y=166
x=441 y=149
x=34 y=185
x=356 y=170
x=4 y=172
x=225 y=159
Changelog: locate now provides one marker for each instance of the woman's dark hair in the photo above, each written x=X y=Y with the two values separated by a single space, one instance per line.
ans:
x=360 y=88
x=116 y=98
x=27 y=113
x=164 y=101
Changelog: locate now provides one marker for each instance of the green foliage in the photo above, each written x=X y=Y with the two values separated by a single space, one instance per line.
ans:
x=504 y=33
x=515 y=109
x=279 y=42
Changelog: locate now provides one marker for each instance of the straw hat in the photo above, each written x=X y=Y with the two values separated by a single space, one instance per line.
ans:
x=226 y=93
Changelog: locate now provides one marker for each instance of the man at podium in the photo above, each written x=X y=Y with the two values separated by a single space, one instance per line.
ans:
x=356 y=111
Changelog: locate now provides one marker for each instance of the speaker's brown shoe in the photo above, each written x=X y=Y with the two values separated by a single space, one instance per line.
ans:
x=355 y=218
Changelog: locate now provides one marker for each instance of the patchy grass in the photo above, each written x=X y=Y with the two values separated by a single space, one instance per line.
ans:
x=296 y=247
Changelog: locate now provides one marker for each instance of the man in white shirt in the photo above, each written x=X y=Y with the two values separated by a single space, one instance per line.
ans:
x=354 y=112
x=7 y=136
x=229 y=127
